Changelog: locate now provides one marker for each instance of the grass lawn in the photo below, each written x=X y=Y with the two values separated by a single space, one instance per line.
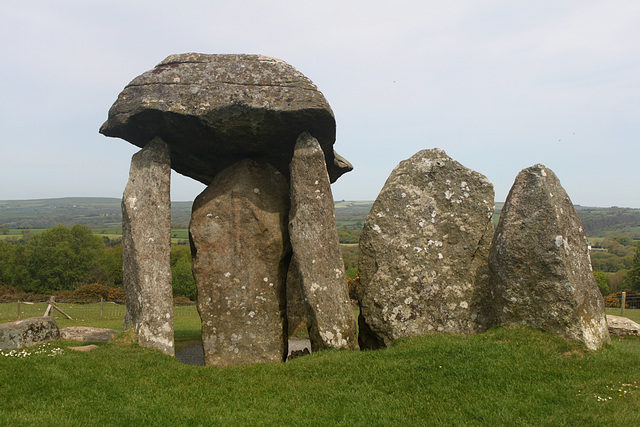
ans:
x=503 y=377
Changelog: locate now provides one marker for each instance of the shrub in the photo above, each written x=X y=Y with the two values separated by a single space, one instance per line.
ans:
x=353 y=288
x=95 y=291
x=182 y=301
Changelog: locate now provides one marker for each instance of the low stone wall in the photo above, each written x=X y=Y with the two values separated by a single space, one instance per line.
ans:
x=28 y=332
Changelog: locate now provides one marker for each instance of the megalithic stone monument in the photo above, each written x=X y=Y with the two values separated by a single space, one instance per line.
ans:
x=316 y=249
x=241 y=251
x=541 y=274
x=215 y=113
x=146 y=247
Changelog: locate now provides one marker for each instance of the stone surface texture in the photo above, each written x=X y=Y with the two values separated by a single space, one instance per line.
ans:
x=85 y=333
x=316 y=248
x=28 y=332
x=214 y=110
x=622 y=326
x=296 y=308
x=423 y=252
x=241 y=251
x=541 y=273
x=146 y=247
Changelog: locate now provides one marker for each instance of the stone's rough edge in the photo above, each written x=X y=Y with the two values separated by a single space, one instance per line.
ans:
x=147 y=273
x=437 y=157
x=330 y=317
x=592 y=331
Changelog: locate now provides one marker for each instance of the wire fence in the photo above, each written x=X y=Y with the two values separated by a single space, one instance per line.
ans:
x=628 y=299
x=91 y=311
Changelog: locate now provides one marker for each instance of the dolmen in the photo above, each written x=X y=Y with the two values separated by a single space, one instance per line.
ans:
x=260 y=136
x=430 y=260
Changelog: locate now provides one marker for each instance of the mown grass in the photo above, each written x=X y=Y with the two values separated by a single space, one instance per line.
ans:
x=503 y=377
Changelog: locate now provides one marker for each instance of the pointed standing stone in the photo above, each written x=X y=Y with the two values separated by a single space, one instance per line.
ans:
x=423 y=252
x=146 y=247
x=296 y=308
x=240 y=248
x=540 y=267
x=316 y=248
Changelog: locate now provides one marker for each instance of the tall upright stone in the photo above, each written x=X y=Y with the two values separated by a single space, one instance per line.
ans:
x=316 y=248
x=146 y=247
x=540 y=267
x=296 y=308
x=423 y=252
x=240 y=248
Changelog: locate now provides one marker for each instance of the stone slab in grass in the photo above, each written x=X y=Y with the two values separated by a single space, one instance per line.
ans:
x=622 y=326
x=85 y=333
x=28 y=332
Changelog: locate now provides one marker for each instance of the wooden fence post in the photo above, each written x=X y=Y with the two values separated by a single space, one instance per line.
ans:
x=101 y=306
x=19 y=310
x=623 y=302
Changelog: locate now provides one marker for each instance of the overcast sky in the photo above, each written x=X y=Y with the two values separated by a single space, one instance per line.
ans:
x=500 y=85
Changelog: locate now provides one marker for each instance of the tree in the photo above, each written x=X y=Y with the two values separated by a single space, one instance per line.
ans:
x=60 y=258
x=632 y=279
x=602 y=279
x=182 y=276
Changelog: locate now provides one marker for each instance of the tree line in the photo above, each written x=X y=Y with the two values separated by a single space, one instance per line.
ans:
x=65 y=258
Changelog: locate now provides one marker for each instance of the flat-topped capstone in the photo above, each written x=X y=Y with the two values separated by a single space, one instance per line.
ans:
x=214 y=110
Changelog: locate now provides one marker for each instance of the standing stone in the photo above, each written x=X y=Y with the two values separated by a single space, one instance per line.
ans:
x=296 y=308
x=241 y=251
x=423 y=252
x=316 y=248
x=541 y=272
x=146 y=247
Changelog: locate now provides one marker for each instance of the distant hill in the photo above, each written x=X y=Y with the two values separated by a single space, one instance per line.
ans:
x=94 y=212
x=103 y=212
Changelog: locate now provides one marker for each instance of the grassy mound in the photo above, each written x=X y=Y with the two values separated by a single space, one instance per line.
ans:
x=504 y=377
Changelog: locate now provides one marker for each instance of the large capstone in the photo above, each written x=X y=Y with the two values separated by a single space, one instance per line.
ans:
x=214 y=110
x=241 y=251
x=316 y=248
x=423 y=252
x=541 y=272
x=146 y=247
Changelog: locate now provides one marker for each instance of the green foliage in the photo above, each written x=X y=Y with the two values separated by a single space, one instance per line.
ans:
x=183 y=283
x=96 y=291
x=350 y=257
x=602 y=279
x=632 y=279
x=60 y=257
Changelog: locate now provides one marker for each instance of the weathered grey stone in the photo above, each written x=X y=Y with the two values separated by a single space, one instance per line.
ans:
x=622 y=326
x=214 y=110
x=296 y=309
x=241 y=251
x=146 y=247
x=541 y=273
x=28 y=332
x=423 y=252
x=85 y=333
x=314 y=239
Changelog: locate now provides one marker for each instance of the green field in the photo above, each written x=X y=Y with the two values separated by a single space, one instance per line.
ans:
x=504 y=377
